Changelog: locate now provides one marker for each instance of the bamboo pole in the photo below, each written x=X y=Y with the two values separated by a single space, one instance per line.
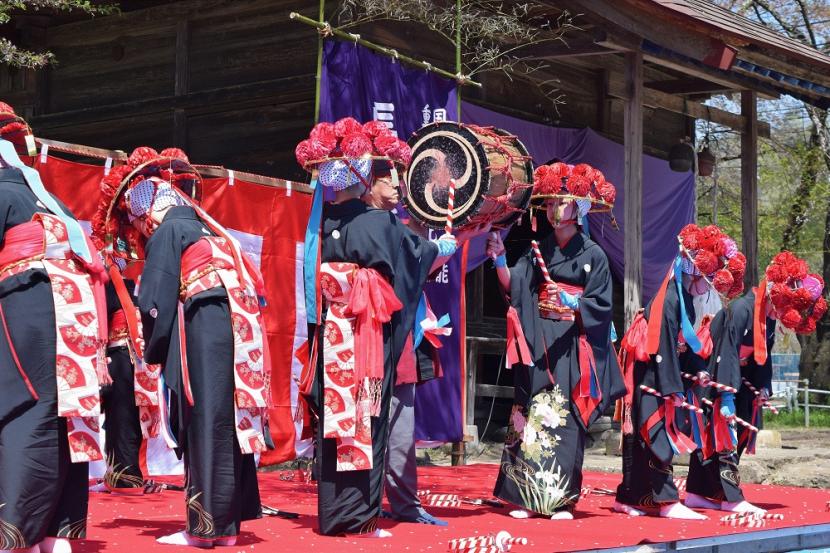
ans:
x=392 y=53
x=458 y=56
x=319 y=65
x=220 y=172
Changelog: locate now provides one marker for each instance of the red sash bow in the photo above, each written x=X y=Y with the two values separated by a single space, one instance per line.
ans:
x=372 y=301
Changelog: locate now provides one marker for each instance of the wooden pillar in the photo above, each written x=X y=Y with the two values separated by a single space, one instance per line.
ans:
x=749 y=186
x=182 y=84
x=633 y=119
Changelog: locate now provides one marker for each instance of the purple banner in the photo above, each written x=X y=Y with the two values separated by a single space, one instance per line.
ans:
x=357 y=82
x=668 y=196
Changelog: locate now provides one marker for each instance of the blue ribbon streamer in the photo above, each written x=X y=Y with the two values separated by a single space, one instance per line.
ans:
x=310 y=251
x=690 y=398
x=685 y=325
x=77 y=238
x=421 y=315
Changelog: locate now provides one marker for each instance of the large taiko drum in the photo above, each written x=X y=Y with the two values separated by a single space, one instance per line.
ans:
x=491 y=171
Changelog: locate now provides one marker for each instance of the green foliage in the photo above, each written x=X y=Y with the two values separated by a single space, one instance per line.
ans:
x=819 y=418
x=784 y=161
x=14 y=56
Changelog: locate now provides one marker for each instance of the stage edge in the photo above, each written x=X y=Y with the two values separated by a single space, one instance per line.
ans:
x=764 y=541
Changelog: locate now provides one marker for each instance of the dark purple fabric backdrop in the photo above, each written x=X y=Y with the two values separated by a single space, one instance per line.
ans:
x=359 y=83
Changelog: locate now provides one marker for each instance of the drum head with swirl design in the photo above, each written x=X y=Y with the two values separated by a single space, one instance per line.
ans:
x=440 y=152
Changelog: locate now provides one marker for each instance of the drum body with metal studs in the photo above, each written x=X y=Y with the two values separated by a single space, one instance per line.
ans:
x=489 y=168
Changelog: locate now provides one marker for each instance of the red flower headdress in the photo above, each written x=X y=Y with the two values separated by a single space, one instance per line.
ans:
x=15 y=129
x=796 y=294
x=573 y=182
x=710 y=252
x=110 y=224
x=347 y=139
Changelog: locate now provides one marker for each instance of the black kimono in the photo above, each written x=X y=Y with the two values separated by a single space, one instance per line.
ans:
x=647 y=468
x=221 y=482
x=717 y=477
x=541 y=467
x=42 y=493
x=123 y=429
x=350 y=501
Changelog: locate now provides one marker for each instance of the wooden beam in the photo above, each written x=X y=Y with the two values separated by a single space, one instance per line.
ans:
x=633 y=241
x=732 y=80
x=616 y=15
x=565 y=49
x=688 y=85
x=749 y=187
x=676 y=104
x=797 y=91
x=788 y=66
x=285 y=90
x=494 y=390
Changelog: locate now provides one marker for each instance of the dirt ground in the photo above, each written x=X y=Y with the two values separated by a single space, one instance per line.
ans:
x=802 y=460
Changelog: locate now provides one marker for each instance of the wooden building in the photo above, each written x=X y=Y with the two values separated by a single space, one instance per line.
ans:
x=233 y=82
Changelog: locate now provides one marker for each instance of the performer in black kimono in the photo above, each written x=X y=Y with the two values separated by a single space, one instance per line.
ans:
x=122 y=426
x=560 y=298
x=659 y=347
x=371 y=276
x=743 y=336
x=52 y=358
x=201 y=320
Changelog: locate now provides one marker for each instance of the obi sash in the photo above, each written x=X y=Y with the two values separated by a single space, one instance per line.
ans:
x=550 y=307
x=80 y=323
x=357 y=304
x=146 y=377
x=210 y=263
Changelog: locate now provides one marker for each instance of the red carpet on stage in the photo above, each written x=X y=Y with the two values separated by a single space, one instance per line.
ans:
x=123 y=523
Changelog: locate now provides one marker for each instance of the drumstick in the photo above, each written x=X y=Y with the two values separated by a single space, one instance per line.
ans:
x=755 y=391
x=738 y=419
x=500 y=540
x=712 y=383
x=540 y=261
x=450 y=206
x=753 y=514
x=684 y=405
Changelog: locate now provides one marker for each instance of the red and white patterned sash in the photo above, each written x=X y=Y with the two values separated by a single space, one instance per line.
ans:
x=207 y=264
x=358 y=301
x=79 y=355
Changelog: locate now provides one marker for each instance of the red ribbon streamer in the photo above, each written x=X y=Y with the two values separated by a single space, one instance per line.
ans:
x=517 y=348
x=759 y=334
x=632 y=349
x=655 y=319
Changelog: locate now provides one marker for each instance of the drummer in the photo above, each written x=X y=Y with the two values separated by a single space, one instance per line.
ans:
x=566 y=374
x=419 y=363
